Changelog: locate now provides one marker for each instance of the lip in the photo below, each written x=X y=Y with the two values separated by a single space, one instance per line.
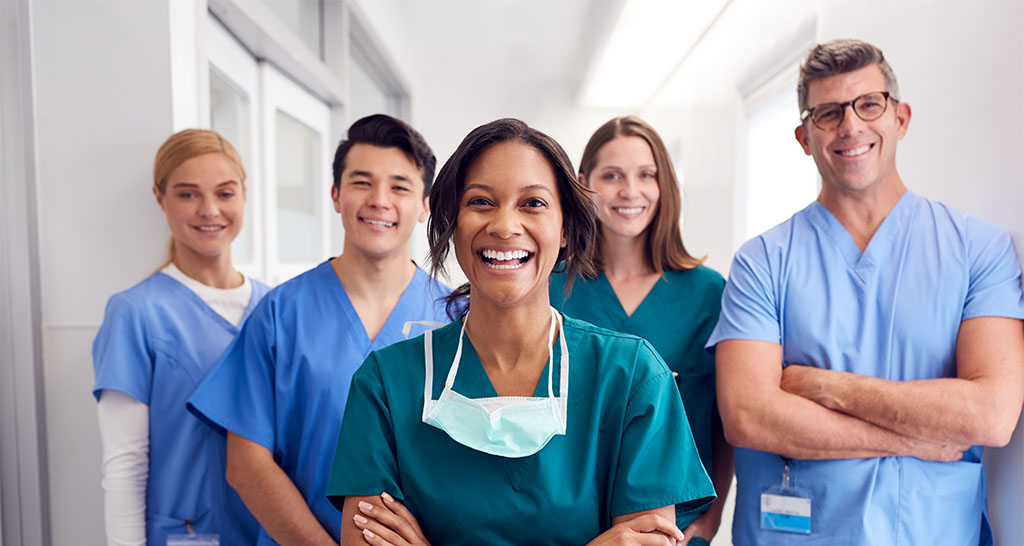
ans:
x=378 y=224
x=504 y=260
x=629 y=212
x=859 y=150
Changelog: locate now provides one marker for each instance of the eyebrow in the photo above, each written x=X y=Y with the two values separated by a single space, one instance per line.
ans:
x=368 y=174
x=192 y=185
x=487 y=188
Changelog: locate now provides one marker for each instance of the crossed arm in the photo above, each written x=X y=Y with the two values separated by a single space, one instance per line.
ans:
x=383 y=521
x=809 y=413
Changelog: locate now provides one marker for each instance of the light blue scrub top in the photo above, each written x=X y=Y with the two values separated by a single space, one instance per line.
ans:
x=157 y=343
x=627 y=446
x=676 y=317
x=892 y=312
x=284 y=382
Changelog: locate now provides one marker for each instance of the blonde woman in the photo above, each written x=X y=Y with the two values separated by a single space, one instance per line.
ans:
x=163 y=469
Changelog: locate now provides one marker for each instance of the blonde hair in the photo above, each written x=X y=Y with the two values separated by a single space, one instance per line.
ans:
x=665 y=248
x=181 y=147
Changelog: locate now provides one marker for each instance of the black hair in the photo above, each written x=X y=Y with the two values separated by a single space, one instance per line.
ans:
x=387 y=132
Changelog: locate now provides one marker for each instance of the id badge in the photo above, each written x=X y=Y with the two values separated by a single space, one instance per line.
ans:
x=786 y=509
x=193 y=539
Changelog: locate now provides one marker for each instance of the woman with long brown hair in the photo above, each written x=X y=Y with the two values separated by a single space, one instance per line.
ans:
x=650 y=286
x=163 y=469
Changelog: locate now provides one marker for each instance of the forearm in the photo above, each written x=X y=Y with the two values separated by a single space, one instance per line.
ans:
x=978 y=407
x=271 y=496
x=723 y=455
x=124 y=432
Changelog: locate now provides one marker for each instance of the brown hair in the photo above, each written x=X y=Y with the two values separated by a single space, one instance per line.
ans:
x=665 y=249
x=182 y=146
x=578 y=213
x=839 y=57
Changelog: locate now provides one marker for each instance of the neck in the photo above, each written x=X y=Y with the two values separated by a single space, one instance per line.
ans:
x=505 y=337
x=624 y=257
x=373 y=276
x=861 y=212
x=215 y=271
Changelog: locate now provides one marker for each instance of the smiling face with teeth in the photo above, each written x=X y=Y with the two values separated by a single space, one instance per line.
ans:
x=625 y=183
x=204 y=200
x=858 y=155
x=380 y=199
x=509 y=227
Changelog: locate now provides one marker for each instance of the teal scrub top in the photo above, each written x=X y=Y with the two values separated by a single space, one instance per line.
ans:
x=627 y=446
x=677 y=316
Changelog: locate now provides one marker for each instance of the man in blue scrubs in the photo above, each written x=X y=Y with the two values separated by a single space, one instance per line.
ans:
x=280 y=389
x=870 y=346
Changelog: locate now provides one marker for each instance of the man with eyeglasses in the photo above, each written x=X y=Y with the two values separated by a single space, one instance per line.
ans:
x=870 y=346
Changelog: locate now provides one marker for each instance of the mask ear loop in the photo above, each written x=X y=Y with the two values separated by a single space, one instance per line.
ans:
x=563 y=380
x=551 y=354
x=450 y=381
x=428 y=369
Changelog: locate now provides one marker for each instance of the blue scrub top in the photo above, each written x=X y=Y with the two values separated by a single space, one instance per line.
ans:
x=627 y=446
x=157 y=343
x=284 y=382
x=894 y=312
x=676 y=317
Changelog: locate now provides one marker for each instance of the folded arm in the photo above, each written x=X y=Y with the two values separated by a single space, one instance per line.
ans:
x=980 y=406
x=758 y=414
x=271 y=496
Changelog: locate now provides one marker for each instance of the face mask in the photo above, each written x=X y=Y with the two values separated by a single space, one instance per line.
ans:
x=507 y=426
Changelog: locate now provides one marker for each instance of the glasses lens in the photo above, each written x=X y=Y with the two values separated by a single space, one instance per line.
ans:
x=870 y=107
x=828 y=116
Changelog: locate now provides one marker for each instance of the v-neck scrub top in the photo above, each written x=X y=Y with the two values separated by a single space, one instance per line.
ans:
x=157 y=343
x=627 y=446
x=894 y=312
x=676 y=316
x=284 y=382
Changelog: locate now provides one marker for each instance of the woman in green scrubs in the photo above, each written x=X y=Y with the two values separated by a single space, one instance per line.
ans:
x=514 y=424
x=648 y=285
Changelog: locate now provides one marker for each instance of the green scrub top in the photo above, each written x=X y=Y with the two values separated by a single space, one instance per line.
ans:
x=677 y=316
x=627 y=446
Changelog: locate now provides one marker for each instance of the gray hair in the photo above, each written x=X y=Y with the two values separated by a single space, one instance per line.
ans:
x=839 y=57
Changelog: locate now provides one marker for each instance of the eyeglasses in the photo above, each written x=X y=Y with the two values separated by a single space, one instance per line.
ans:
x=830 y=115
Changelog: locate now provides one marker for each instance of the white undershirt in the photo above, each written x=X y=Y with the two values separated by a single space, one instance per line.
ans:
x=124 y=429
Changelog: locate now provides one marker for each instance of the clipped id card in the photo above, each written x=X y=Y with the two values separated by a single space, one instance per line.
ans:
x=786 y=509
x=193 y=539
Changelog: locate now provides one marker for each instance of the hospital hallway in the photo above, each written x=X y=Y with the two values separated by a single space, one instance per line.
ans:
x=90 y=88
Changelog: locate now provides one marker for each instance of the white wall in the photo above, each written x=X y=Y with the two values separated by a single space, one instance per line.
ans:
x=103 y=83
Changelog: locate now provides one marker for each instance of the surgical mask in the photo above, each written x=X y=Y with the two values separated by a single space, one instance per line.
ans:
x=507 y=426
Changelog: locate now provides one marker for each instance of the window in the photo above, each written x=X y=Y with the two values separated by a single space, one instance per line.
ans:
x=780 y=179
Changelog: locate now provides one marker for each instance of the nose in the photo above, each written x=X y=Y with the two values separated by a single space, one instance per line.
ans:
x=505 y=223
x=629 y=189
x=379 y=197
x=208 y=208
x=850 y=123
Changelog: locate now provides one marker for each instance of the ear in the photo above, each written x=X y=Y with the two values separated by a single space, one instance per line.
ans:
x=801 y=136
x=335 y=194
x=159 y=197
x=426 y=210
x=583 y=180
x=903 y=117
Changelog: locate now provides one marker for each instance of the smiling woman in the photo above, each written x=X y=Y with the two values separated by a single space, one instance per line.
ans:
x=495 y=444
x=163 y=469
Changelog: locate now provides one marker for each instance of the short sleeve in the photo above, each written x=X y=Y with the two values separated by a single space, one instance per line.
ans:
x=238 y=394
x=658 y=461
x=994 y=288
x=749 y=309
x=365 y=460
x=122 y=355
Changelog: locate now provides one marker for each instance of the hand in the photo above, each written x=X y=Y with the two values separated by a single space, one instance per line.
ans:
x=389 y=525
x=807 y=382
x=646 y=530
x=706 y=527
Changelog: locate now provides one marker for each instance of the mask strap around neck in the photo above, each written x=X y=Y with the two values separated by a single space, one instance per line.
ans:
x=428 y=380
x=450 y=381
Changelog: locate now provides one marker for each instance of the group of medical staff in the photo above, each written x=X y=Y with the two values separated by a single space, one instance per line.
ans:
x=566 y=394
